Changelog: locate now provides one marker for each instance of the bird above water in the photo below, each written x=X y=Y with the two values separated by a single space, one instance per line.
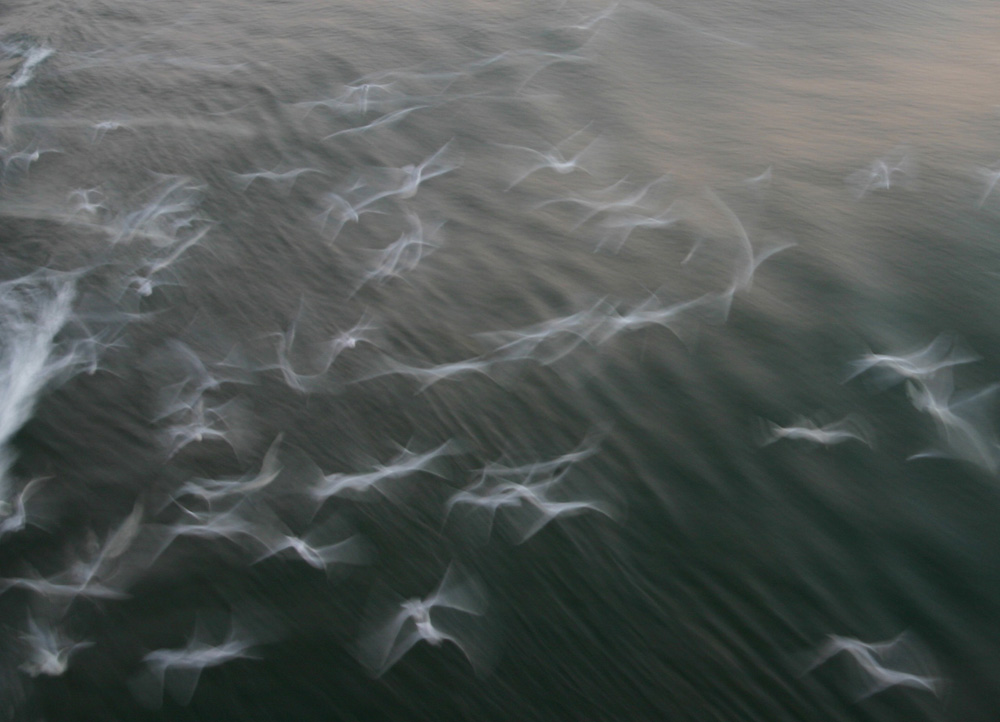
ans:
x=179 y=669
x=874 y=660
x=386 y=120
x=990 y=176
x=897 y=169
x=403 y=623
x=529 y=506
x=406 y=463
x=18 y=519
x=49 y=651
x=944 y=351
x=850 y=428
x=608 y=199
x=284 y=180
x=552 y=158
x=411 y=176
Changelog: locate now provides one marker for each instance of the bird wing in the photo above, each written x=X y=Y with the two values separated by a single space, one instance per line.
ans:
x=458 y=591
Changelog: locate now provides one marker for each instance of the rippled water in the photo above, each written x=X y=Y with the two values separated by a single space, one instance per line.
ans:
x=531 y=349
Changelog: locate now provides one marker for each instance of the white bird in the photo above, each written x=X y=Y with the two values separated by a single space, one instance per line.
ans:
x=990 y=176
x=584 y=450
x=181 y=397
x=211 y=490
x=850 y=428
x=404 y=254
x=427 y=376
x=24 y=158
x=944 y=351
x=61 y=591
x=589 y=23
x=882 y=174
x=751 y=259
x=608 y=199
x=179 y=670
x=323 y=360
x=481 y=495
x=220 y=422
x=552 y=158
x=764 y=179
x=359 y=332
x=534 y=510
x=963 y=421
x=251 y=526
x=49 y=651
x=354 y=98
x=540 y=510
x=84 y=204
x=411 y=621
x=90 y=577
x=385 y=120
x=338 y=207
x=874 y=660
x=412 y=177
x=404 y=464
x=18 y=520
x=311 y=549
x=549 y=340
x=143 y=280
x=174 y=198
x=652 y=312
x=101 y=128
x=530 y=61
x=623 y=224
x=283 y=179
x=32 y=56
x=105 y=562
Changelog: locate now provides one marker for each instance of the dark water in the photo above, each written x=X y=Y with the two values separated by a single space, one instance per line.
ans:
x=148 y=287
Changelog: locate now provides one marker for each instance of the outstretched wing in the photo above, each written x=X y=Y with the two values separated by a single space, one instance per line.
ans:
x=457 y=591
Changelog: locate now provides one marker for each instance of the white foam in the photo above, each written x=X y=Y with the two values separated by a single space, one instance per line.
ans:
x=33 y=310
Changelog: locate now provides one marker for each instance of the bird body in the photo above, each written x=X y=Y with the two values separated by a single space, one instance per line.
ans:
x=406 y=622
x=552 y=158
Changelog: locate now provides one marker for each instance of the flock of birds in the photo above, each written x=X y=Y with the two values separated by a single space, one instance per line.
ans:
x=51 y=332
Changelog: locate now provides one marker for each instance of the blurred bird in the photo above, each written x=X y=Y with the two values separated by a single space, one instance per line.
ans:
x=884 y=173
x=23 y=159
x=385 y=120
x=411 y=621
x=944 y=351
x=403 y=255
x=552 y=158
x=530 y=508
x=284 y=180
x=412 y=176
x=874 y=661
x=49 y=652
x=964 y=421
x=850 y=428
x=404 y=464
x=608 y=199
x=179 y=670
x=212 y=490
x=990 y=176
x=18 y=519
x=317 y=548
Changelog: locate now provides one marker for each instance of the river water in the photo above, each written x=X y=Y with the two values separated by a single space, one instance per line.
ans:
x=550 y=349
